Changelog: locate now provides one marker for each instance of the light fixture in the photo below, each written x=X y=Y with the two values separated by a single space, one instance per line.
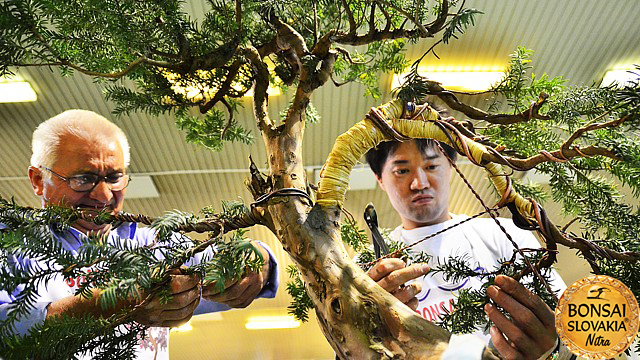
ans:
x=271 y=322
x=458 y=78
x=272 y=91
x=361 y=178
x=141 y=187
x=198 y=91
x=621 y=77
x=184 y=327
x=16 y=91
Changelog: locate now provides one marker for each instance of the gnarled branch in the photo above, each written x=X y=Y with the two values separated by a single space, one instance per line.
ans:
x=593 y=126
x=353 y=27
x=423 y=31
x=441 y=20
x=501 y=119
x=260 y=96
x=550 y=156
x=234 y=69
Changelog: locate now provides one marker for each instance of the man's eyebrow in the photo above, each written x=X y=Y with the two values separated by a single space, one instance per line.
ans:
x=431 y=156
x=399 y=162
x=88 y=171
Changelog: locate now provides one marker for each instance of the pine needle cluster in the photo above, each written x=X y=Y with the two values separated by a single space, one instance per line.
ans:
x=468 y=310
x=301 y=302
x=117 y=270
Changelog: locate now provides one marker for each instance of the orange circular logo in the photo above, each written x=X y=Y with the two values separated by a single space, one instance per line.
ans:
x=597 y=317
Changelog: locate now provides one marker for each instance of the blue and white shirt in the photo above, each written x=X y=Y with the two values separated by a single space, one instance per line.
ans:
x=153 y=347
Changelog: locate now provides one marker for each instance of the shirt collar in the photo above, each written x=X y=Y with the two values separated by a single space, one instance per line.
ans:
x=74 y=237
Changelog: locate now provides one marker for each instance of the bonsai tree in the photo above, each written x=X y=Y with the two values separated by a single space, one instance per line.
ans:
x=176 y=64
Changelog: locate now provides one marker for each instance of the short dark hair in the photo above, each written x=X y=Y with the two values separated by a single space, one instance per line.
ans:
x=377 y=156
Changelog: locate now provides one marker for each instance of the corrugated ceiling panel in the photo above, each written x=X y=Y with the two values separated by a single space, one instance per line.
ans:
x=21 y=191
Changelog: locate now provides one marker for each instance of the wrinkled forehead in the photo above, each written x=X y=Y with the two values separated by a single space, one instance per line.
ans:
x=86 y=153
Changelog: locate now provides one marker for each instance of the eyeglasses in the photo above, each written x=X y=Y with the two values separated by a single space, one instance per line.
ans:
x=87 y=182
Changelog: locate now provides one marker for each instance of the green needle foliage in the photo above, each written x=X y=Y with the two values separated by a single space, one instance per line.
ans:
x=364 y=68
x=213 y=129
x=179 y=61
x=120 y=270
x=468 y=310
x=44 y=342
x=353 y=235
x=301 y=302
x=233 y=258
x=367 y=259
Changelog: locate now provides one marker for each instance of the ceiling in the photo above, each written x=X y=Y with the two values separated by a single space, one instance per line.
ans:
x=579 y=39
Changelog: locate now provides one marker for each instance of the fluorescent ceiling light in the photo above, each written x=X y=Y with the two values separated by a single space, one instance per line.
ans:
x=272 y=322
x=461 y=79
x=184 y=327
x=200 y=91
x=141 y=186
x=620 y=77
x=214 y=316
x=361 y=178
x=16 y=91
x=272 y=91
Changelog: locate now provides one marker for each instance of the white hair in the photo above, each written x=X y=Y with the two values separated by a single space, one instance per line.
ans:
x=83 y=124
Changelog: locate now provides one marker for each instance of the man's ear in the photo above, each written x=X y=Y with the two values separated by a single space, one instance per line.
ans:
x=380 y=182
x=37 y=181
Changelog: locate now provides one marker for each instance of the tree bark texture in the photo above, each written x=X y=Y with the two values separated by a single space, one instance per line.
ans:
x=359 y=319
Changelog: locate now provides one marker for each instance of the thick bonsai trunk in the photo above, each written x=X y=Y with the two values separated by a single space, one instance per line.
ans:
x=359 y=319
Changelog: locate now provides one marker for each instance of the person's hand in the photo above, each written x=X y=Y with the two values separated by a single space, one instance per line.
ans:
x=185 y=296
x=531 y=331
x=391 y=273
x=241 y=293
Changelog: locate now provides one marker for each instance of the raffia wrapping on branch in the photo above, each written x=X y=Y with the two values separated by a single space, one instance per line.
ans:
x=354 y=143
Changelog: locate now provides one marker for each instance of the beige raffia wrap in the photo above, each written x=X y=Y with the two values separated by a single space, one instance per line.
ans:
x=353 y=144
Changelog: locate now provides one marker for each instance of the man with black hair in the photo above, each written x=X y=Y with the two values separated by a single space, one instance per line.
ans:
x=416 y=176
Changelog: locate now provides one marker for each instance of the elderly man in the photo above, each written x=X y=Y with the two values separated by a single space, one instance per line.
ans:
x=416 y=176
x=80 y=161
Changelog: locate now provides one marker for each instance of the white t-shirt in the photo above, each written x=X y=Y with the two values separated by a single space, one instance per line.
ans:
x=483 y=244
